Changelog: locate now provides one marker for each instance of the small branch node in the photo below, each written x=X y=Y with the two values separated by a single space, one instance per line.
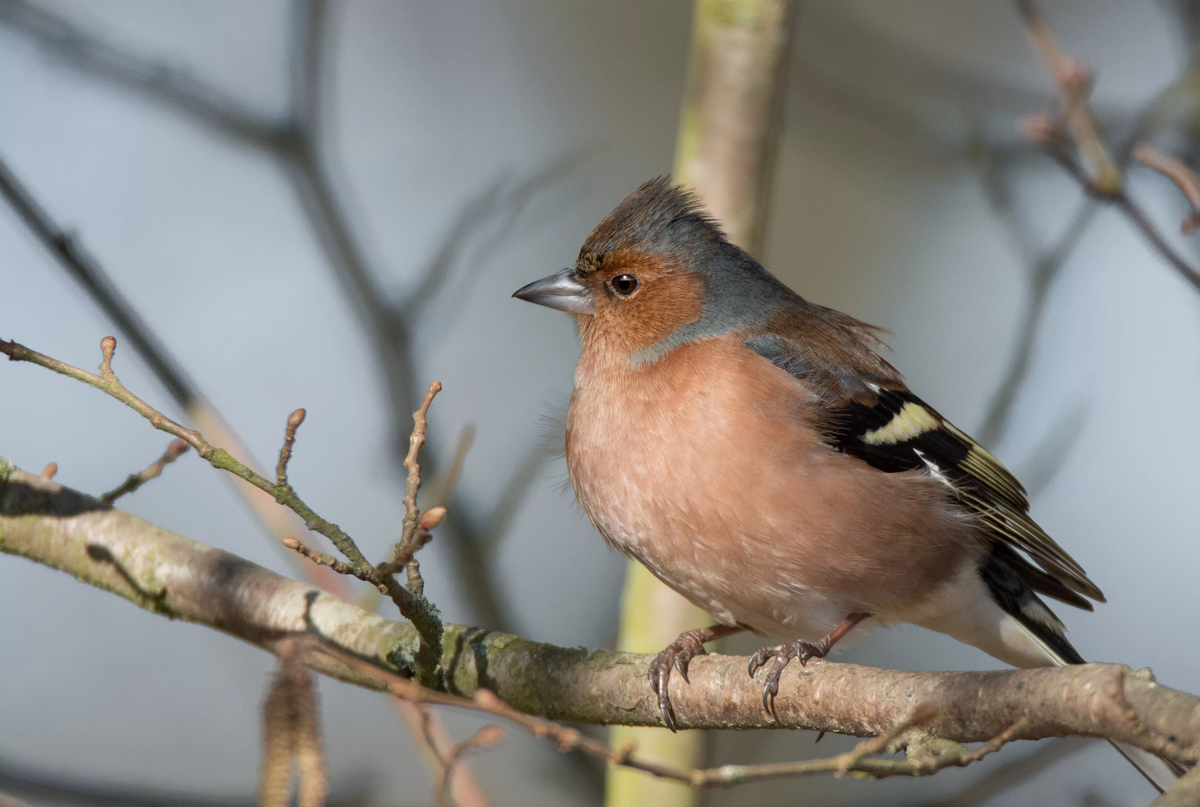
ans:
x=108 y=346
x=321 y=559
x=285 y=452
x=432 y=518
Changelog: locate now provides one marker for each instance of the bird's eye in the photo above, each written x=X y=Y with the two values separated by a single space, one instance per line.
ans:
x=624 y=285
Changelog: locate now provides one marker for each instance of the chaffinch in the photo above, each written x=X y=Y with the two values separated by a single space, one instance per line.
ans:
x=754 y=451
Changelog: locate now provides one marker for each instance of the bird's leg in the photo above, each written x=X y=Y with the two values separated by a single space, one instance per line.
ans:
x=802 y=649
x=678 y=654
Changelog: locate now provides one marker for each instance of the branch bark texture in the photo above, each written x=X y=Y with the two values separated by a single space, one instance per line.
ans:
x=182 y=579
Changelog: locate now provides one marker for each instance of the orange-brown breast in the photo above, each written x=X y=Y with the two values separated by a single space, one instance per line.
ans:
x=702 y=467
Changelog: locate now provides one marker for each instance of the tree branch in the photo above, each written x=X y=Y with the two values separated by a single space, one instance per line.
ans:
x=171 y=575
x=292 y=141
x=413 y=605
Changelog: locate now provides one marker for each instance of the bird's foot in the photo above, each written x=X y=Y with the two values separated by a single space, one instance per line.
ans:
x=677 y=654
x=782 y=654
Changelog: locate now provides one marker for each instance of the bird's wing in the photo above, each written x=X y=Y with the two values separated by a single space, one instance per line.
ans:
x=885 y=425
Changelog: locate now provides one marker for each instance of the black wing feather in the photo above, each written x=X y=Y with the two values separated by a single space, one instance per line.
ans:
x=885 y=425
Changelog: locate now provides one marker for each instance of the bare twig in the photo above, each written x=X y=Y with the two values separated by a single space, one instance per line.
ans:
x=1178 y=172
x=71 y=255
x=174 y=451
x=877 y=745
x=1074 y=81
x=412 y=605
x=435 y=744
x=409 y=543
x=321 y=559
x=1132 y=211
x=293 y=142
x=1014 y=773
x=1046 y=265
x=484 y=737
x=285 y=451
x=862 y=760
x=1106 y=184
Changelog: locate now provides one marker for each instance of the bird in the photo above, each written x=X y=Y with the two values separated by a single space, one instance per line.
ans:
x=759 y=456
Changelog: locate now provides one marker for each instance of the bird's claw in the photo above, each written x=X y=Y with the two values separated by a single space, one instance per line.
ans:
x=781 y=655
x=677 y=654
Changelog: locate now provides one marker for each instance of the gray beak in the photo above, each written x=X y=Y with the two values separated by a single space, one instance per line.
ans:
x=560 y=290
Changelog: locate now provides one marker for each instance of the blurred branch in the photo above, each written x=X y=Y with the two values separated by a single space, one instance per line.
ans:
x=1104 y=183
x=294 y=141
x=52 y=525
x=1132 y=210
x=1075 y=83
x=1178 y=172
x=435 y=744
x=1077 y=126
x=74 y=258
x=449 y=758
x=1045 y=269
x=158 y=81
x=1051 y=452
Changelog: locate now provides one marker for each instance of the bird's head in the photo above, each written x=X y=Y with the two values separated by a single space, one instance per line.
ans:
x=657 y=273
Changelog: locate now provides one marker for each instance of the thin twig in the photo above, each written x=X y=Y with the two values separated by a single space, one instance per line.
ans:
x=484 y=737
x=434 y=741
x=1107 y=184
x=408 y=544
x=877 y=745
x=412 y=605
x=292 y=140
x=174 y=451
x=285 y=451
x=71 y=255
x=861 y=761
x=1132 y=211
x=1075 y=84
x=1178 y=172
x=1014 y=773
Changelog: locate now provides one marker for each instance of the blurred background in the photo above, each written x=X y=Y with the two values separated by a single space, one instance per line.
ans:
x=447 y=153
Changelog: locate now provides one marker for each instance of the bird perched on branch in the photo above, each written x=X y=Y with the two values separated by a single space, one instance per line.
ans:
x=755 y=452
